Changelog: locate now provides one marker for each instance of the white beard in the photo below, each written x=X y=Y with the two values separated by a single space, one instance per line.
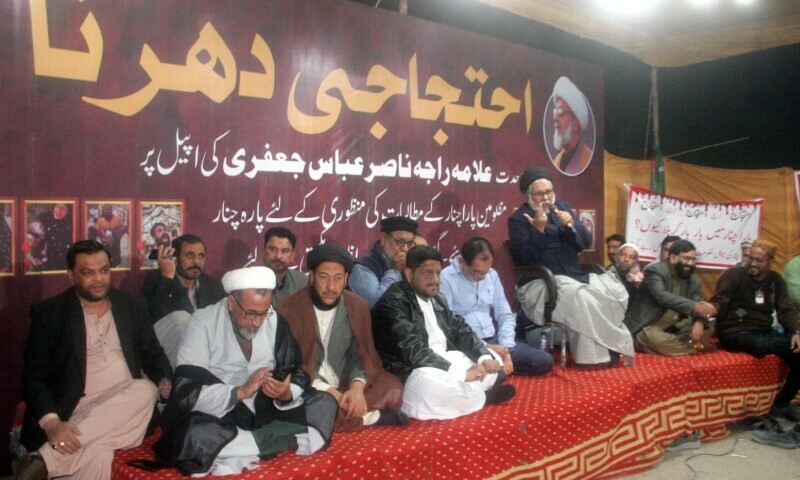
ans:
x=560 y=141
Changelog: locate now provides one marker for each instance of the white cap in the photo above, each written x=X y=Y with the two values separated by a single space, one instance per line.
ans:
x=245 y=278
x=567 y=91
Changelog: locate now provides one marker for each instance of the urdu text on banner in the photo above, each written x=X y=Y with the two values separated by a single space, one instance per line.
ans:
x=716 y=229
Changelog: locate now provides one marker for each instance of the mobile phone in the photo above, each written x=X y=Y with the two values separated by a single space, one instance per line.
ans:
x=280 y=373
x=153 y=255
x=145 y=464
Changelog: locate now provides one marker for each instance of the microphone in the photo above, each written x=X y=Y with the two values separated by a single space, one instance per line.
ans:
x=551 y=207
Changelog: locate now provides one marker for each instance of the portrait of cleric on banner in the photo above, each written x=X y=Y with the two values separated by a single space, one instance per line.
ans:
x=568 y=128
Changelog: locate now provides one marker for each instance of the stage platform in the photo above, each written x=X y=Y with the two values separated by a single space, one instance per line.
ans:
x=569 y=424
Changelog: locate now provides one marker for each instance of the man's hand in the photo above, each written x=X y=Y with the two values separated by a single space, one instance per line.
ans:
x=166 y=265
x=164 y=388
x=697 y=331
x=796 y=343
x=353 y=402
x=277 y=389
x=508 y=365
x=253 y=383
x=63 y=436
x=704 y=309
x=564 y=217
x=399 y=261
x=491 y=365
x=475 y=372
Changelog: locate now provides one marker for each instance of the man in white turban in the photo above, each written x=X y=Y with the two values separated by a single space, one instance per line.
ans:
x=240 y=393
x=571 y=118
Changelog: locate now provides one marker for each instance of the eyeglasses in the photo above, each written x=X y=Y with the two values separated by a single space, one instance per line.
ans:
x=558 y=111
x=475 y=273
x=759 y=260
x=253 y=316
x=400 y=243
x=546 y=193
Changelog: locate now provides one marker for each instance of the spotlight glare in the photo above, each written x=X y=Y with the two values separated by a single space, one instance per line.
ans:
x=626 y=7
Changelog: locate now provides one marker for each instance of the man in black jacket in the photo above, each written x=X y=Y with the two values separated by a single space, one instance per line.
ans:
x=82 y=380
x=447 y=370
x=177 y=288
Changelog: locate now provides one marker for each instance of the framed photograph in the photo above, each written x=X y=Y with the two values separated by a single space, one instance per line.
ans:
x=588 y=219
x=109 y=222
x=50 y=227
x=8 y=248
x=160 y=222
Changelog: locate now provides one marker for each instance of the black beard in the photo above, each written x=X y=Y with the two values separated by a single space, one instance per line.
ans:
x=681 y=270
x=317 y=300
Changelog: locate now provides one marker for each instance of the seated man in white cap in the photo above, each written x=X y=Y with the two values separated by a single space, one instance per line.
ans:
x=230 y=405
x=668 y=315
x=334 y=331
x=570 y=118
x=544 y=231
x=625 y=265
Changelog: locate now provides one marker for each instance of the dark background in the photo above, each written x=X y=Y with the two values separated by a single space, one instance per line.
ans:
x=754 y=95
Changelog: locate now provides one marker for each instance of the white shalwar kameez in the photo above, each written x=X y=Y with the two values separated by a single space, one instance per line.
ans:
x=432 y=393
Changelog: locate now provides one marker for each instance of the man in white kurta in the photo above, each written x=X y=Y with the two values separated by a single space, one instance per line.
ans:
x=413 y=328
x=226 y=364
x=544 y=231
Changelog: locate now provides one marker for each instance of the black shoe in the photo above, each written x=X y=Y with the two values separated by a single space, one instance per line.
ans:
x=392 y=417
x=789 y=412
x=499 y=394
x=29 y=467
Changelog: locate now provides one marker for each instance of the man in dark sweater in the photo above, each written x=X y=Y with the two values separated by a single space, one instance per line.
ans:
x=745 y=299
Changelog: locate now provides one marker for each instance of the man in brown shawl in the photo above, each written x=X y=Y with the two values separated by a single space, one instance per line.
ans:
x=334 y=331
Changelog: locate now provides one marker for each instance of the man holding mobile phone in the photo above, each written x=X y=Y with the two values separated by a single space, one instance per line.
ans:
x=177 y=288
x=334 y=330
x=228 y=398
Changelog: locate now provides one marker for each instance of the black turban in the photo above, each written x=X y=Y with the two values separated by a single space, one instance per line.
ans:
x=531 y=175
x=393 y=224
x=329 y=252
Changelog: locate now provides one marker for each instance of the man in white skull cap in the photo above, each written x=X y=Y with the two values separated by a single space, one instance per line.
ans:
x=570 y=118
x=231 y=405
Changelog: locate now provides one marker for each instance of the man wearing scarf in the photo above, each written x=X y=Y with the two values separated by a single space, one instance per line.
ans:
x=334 y=331
x=227 y=410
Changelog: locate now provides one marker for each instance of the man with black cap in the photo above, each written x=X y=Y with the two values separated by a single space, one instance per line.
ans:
x=383 y=265
x=544 y=231
x=334 y=331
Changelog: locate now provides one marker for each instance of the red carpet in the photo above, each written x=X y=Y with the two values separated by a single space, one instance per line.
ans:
x=570 y=424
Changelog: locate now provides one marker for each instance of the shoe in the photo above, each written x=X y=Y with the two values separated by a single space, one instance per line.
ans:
x=790 y=412
x=29 y=467
x=780 y=438
x=685 y=442
x=500 y=394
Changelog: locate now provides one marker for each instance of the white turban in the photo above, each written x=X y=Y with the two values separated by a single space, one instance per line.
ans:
x=567 y=91
x=629 y=245
x=246 y=278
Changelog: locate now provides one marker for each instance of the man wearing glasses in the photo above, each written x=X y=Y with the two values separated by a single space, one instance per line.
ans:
x=473 y=290
x=745 y=298
x=668 y=315
x=379 y=268
x=239 y=386
x=544 y=231
x=570 y=119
